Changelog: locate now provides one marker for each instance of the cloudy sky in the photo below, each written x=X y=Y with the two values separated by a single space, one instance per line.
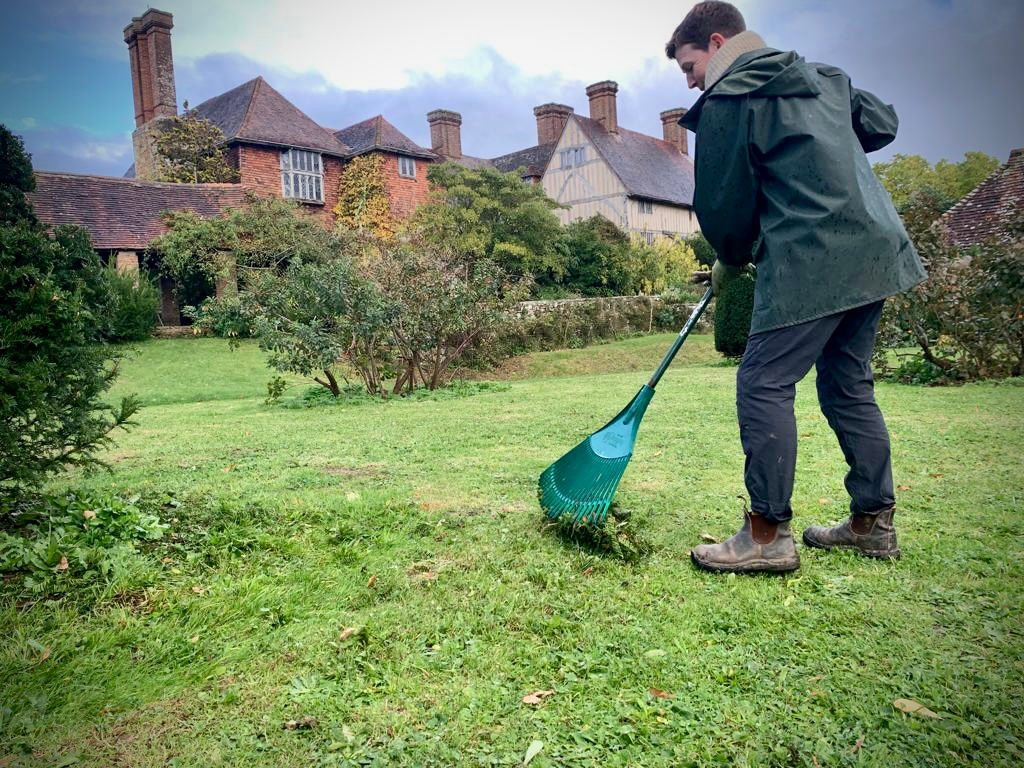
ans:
x=952 y=68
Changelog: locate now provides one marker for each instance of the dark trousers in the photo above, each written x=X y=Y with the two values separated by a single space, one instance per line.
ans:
x=840 y=346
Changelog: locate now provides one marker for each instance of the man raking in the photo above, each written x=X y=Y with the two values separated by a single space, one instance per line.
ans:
x=783 y=182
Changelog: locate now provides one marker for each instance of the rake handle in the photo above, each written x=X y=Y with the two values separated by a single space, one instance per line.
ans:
x=670 y=355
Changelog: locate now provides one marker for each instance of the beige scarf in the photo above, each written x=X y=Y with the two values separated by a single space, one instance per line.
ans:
x=734 y=47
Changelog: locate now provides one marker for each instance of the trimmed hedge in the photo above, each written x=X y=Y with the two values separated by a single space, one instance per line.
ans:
x=734 y=307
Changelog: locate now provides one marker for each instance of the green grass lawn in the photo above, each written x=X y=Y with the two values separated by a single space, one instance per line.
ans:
x=415 y=523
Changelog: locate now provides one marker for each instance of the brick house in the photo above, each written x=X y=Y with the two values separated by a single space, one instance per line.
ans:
x=276 y=148
x=593 y=166
x=987 y=211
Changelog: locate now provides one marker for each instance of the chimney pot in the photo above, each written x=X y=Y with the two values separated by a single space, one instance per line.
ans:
x=602 y=104
x=551 y=119
x=446 y=133
x=675 y=133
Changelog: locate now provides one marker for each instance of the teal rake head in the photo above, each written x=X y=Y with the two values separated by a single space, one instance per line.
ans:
x=580 y=486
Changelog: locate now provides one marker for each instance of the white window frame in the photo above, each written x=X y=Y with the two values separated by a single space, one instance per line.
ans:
x=573 y=157
x=302 y=175
x=407 y=167
x=646 y=206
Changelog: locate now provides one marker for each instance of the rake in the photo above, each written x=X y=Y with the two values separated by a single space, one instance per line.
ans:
x=580 y=486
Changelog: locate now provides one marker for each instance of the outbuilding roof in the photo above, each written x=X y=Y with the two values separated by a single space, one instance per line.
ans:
x=986 y=211
x=123 y=214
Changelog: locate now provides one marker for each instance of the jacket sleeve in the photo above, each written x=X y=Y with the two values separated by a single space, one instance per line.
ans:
x=874 y=123
x=726 y=196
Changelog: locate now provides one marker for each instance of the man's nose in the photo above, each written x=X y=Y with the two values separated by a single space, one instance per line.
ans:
x=690 y=82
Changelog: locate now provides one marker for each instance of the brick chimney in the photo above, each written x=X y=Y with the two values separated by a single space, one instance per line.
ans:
x=673 y=131
x=602 y=104
x=149 y=53
x=445 y=133
x=551 y=119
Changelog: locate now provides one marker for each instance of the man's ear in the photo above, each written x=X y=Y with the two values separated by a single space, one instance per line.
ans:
x=718 y=39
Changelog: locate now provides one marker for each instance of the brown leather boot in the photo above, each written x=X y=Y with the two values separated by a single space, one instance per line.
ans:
x=760 y=545
x=869 y=535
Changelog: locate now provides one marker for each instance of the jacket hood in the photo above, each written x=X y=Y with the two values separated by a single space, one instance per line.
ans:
x=766 y=72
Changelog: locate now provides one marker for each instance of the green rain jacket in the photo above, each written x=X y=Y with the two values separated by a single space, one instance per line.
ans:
x=783 y=181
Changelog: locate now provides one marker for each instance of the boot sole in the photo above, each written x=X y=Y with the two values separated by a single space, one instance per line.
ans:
x=752 y=566
x=876 y=554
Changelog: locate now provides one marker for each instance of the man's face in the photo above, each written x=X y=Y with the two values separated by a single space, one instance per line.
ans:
x=694 y=62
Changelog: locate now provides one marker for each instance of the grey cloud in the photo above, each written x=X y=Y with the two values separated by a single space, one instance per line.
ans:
x=65 y=148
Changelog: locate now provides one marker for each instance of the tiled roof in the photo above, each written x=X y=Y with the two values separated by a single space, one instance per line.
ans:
x=648 y=167
x=254 y=112
x=986 y=210
x=123 y=213
x=473 y=163
x=377 y=133
x=533 y=159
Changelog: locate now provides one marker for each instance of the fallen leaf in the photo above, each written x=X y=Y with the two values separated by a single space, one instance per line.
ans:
x=347 y=633
x=588 y=570
x=537 y=697
x=197 y=589
x=167 y=560
x=709 y=538
x=89 y=514
x=44 y=655
x=814 y=759
x=654 y=653
x=532 y=751
x=230 y=468
x=351 y=496
x=935 y=474
x=902 y=487
x=815 y=694
x=63 y=564
x=858 y=745
x=194 y=639
x=304 y=723
x=912 y=707
x=824 y=501
x=372 y=581
x=660 y=694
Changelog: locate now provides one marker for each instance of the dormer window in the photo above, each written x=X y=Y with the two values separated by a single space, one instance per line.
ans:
x=302 y=175
x=406 y=167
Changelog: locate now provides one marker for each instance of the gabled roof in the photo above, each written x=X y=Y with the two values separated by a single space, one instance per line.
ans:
x=647 y=167
x=123 y=213
x=985 y=211
x=533 y=159
x=376 y=133
x=255 y=113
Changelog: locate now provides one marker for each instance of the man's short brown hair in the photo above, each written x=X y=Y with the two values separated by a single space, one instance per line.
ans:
x=703 y=20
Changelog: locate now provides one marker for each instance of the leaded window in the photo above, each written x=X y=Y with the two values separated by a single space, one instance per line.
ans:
x=406 y=167
x=302 y=175
x=573 y=157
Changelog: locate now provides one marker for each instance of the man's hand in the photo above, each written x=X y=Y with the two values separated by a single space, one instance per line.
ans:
x=721 y=275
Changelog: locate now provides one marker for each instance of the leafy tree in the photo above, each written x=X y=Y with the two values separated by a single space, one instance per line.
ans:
x=264 y=233
x=488 y=214
x=594 y=255
x=909 y=178
x=363 y=202
x=445 y=305
x=702 y=249
x=665 y=262
x=16 y=178
x=190 y=150
x=53 y=371
x=312 y=316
